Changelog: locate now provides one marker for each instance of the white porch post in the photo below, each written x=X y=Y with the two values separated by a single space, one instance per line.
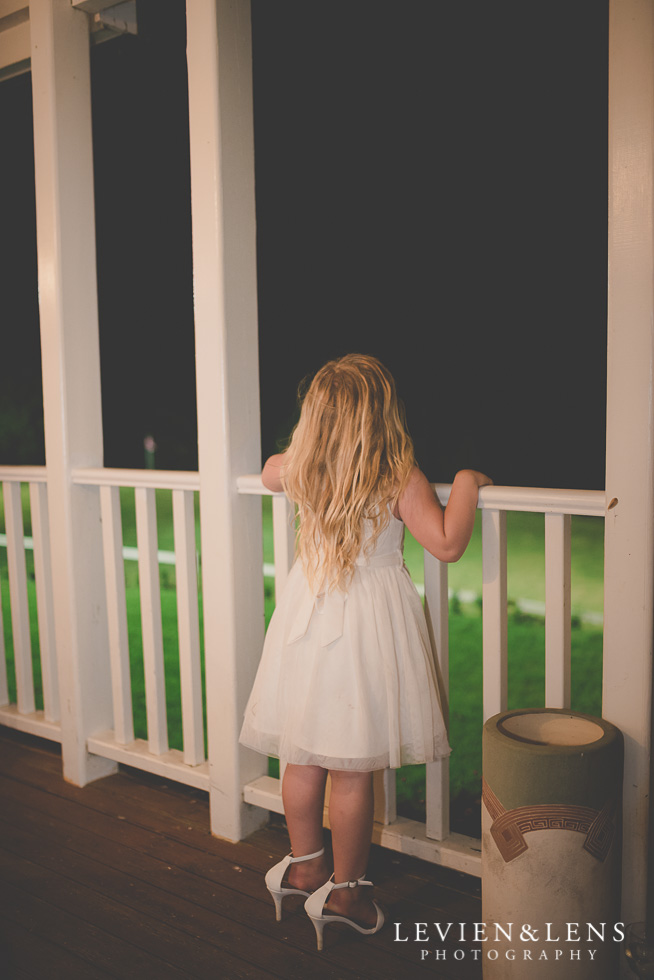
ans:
x=65 y=229
x=227 y=371
x=629 y=556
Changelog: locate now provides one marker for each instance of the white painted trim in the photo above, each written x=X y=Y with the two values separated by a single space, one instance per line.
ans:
x=44 y=605
x=95 y=6
x=457 y=851
x=70 y=358
x=494 y=624
x=20 y=617
x=252 y=484
x=119 y=17
x=12 y=10
x=151 y=625
x=264 y=792
x=437 y=774
x=34 y=723
x=23 y=474
x=384 y=786
x=538 y=500
x=14 y=48
x=107 y=476
x=188 y=626
x=219 y=58
x=283 y=539
x=169 y=764
x=107 y=19
x=4 y=686
x=629 y=529
x=114 y=574
x=557 y=611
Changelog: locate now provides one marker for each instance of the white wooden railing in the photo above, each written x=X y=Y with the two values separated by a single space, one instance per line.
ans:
x=119 y=744
x=432 y=840
x=190 y=765
x=23 y=713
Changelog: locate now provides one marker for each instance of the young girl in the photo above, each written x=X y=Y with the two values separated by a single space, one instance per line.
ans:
x=347 y=683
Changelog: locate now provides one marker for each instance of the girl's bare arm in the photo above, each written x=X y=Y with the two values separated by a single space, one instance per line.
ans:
x=444 y=533
x=271 y=474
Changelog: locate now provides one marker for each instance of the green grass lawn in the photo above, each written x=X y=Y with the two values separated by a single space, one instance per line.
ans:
x=526 y=638
x=526 y=561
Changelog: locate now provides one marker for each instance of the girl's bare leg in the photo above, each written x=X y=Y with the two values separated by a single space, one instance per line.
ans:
x=303 y=793
x=350 y=817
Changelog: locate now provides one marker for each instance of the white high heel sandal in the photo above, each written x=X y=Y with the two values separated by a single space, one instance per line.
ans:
x=274 y=877
x=315 y=904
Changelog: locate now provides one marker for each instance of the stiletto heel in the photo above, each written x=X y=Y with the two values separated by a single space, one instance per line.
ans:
x=319 y=925
x=315 y=904
x=274 y=877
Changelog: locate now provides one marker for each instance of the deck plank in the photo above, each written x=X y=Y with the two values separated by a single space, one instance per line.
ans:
x=26 y=952
x=124 y=878
x=71 y=932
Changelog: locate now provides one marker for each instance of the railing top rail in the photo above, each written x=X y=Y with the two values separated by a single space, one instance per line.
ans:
x=539 y=500
x=252 y=484
x=23 y=474
x=156 y=479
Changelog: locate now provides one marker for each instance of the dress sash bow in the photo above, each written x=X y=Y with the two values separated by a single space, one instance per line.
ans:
x=330 y=606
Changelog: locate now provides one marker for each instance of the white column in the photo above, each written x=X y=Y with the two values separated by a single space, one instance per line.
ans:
x=65 y=229
x=629 y=555
x=225 y=294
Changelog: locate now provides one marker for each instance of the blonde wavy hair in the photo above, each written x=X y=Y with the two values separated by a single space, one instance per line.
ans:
x=348 y=460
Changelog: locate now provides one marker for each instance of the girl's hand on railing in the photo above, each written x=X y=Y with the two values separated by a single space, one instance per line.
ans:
x=271 y=476
x=481 y=479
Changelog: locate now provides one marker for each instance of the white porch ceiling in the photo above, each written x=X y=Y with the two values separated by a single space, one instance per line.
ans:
x=109 y=18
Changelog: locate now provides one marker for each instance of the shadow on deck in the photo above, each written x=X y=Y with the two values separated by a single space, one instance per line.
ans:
x=122 y=878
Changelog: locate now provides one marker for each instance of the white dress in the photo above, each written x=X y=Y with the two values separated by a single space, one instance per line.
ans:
x=347 y=681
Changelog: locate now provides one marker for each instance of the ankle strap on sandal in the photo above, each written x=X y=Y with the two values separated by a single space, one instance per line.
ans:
x=274 y=877
x=315 y=903
x=306 y=857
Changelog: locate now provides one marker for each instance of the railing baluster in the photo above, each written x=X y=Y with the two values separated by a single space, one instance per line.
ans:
x=283 y=539
x=20 y=618
x=493 y=530
x=283 y=512
x=557 y=610
x=44 y=602
x=149 y=587
x=384 y=785
x=437 y=788
x=4 y=687
x=188 y=626
x=114 y=568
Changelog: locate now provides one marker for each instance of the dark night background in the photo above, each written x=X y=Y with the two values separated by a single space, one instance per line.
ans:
x=431 y=188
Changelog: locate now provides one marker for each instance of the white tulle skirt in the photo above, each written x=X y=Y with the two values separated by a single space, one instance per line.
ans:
x=348 y=681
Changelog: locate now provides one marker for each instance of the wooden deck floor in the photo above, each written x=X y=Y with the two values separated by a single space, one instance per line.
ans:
x=122 y=878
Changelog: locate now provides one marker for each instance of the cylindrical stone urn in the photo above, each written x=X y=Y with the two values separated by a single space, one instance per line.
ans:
x=551 y=818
